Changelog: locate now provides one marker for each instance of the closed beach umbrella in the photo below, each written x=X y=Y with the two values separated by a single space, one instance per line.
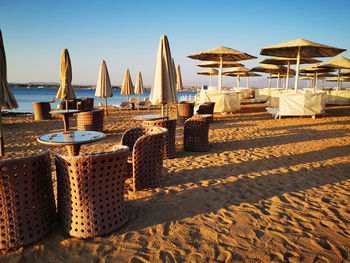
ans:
x=7 y=100
x=139 y=85
x=300 y=48
x=337 y=63
x=288 y=62
x=127 y=87
x=65 y=92
x=210 y=72
x=179 y=85
x=164 y=82
x=104 y=87
x=221 y=54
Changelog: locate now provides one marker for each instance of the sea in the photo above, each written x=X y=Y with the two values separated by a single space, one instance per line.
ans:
x=26 y=96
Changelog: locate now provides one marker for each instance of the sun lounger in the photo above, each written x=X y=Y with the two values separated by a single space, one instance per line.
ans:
x=125 y=105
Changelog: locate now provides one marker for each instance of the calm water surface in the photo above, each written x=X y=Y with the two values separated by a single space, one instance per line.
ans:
x=25 y=97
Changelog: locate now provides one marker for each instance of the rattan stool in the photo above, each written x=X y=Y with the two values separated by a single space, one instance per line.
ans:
x=27 y=204
x=196 y=131
x=207 y=108
x=185 y=110
x=90 y=120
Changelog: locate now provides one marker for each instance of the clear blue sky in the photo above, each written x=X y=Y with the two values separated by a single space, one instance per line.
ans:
x=126 y=34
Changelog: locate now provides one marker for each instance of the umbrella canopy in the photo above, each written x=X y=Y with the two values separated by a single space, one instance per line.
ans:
x=127 y=87
x=179 y=85
x=342 y=79
x=271 y=69
x=65 y=92
x=236 y=70
x=288 y=62
x=139 y=85
x=221 y=54
x=164 y=87
x=216 y=64
x=300 y=48
x=346 y=73
x=210 y=72
x=104 y=87
x=7 y=100
x=337 y=63
x=316 y=71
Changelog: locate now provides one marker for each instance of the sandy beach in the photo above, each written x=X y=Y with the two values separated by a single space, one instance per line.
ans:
x=267 y=191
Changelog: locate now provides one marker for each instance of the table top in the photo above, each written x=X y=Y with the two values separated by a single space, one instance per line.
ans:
x=150 y=117
x=71 y=137
x=64 y=111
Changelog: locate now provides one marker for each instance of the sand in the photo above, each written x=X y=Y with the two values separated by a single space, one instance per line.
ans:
x=267 y=191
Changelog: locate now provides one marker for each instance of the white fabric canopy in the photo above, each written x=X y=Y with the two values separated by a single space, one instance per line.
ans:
x=104 y=87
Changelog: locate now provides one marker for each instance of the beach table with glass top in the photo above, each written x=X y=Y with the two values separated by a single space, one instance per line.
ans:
x=72 y=140
x=150 y=117
x=65 y=116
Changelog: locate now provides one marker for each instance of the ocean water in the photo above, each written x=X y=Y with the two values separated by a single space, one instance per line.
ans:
x=26 y=96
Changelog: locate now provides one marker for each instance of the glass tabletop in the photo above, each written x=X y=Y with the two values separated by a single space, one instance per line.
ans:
x=150 y=117
x=64 y=111
x=71 y=137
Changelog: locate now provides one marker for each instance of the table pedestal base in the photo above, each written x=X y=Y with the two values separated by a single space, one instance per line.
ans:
x=65 y=118
x=73 y=150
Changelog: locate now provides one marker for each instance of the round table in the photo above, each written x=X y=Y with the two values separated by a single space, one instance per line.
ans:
x=150 y=117
x=65 y=115
x=72 y=140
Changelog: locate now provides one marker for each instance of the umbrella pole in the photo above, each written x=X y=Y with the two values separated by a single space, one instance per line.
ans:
x=270 y=81
x=162 y=110
x=247 y=82
x=2 y=148
x=66 y=105
x=287 y=79
x=316 y=82
x=297 y=72
x=106 y=107
x=322 y=82
x=338 y=79
x=220 y=75
x=210 y=80
x=278 y=80
x=166 y=110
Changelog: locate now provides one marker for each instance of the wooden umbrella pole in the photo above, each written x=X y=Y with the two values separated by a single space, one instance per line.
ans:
x=2 y=148
x=66 y=105
x=338 y=79
x=106 y=109
x=220 y=75
x=270 y=81
x=278 y=80
x=287 y=79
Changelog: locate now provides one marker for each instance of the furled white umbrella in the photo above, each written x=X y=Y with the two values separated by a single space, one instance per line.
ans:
x=104 y=87
x=337 y=63
x=127 y=87
x=210 y=72
x=139 y=85
x=300 y=48
x=65 y=92
x=7 y=100
x=179 y=85
x=221 y=54
x=163 y=90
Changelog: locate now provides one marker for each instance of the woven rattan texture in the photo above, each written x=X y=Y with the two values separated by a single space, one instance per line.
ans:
x=169 y=149
x=90 y=192
x=207 y=108
x=147 y=155
x=185 y=111
x=90 y=120
x=27 y=204
x=196 y=131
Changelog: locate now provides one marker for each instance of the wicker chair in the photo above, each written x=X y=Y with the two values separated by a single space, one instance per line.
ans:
x=146 y=164
x=207 y=108
x=196 y=131
x=90 y=192
x=185 y=110
x=27 y=204
x=169 y=149
x=90 y=120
